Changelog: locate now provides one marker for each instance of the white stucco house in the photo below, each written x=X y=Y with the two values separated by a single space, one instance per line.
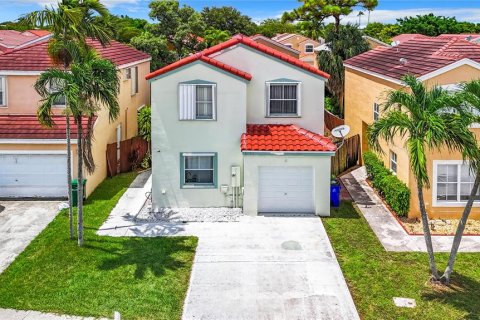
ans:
x=240 y=125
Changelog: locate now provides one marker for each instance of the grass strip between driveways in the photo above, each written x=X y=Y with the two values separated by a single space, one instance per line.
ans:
x=375 y=276
x=143 y=278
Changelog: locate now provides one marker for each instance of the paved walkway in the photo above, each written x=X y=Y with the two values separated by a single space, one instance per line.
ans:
x=20 y=223
x=256 y=268
x=388 y=230
x=10 y=314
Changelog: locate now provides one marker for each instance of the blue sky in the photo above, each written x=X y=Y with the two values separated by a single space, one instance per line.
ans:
x=387 y=10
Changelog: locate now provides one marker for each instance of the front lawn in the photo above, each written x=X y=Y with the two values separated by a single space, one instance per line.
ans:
x=143 y=278
x=376 y=276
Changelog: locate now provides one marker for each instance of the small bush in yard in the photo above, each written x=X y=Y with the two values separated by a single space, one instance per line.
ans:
x=395 y=192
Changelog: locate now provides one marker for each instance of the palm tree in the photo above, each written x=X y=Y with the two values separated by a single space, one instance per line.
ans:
x=342 y=45
x=470 y=99
x=71 y=23
x=89 y=85
x=426 y=120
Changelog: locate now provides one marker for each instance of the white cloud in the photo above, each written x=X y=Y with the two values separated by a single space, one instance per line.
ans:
x=390 y=16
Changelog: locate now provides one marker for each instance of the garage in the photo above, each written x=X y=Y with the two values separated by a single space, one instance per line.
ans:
x=33 y=174
x=286 y=189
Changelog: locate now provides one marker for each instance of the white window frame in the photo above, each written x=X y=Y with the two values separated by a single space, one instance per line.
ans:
x=376 y=111
x=460 y=203
x=127 y=74
x=134 y=80
x=193 y=117
x=309 y=45
x=393 y=162
x=3 y=80
x=299 y=100
x=60 y=106
x=184 y=184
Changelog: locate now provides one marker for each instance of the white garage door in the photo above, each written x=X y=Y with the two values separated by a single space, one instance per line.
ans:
x=33 y=175
x=286 y=190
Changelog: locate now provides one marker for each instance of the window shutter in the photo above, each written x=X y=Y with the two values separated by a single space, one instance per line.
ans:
x=267 y=102
x=186 y=100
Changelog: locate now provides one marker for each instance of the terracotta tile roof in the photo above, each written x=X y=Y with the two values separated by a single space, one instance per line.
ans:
x=235 y=40
x=35 y=57
x=39 y=33
x=278 y=137
x=12 y=38
x=28 y=127
x=419 y=56
x=404 y=37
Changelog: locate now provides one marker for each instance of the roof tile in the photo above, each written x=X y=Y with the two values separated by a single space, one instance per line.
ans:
x=280 y=137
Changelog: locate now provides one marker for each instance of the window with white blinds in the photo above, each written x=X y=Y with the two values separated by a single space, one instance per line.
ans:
x=197 y=102
x=283 y=99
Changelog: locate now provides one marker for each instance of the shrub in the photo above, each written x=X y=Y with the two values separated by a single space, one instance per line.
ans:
x=394 y=191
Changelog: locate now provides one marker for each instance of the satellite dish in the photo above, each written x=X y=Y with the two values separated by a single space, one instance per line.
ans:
x=341 y=131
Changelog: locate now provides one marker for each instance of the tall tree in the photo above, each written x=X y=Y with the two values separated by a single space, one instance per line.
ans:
x=383 y=32
x=88 y=85
x=272 y=27
x=468 y=98
x=228 y=19
x=432 y=25
x=341 y=45
x=71 y=22
x=316 y=11
x=157 y=47
x=426 y=120
x=214 y=36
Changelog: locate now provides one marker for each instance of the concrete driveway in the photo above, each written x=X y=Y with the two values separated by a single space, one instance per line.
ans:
x=267 y=268
x=20 y=223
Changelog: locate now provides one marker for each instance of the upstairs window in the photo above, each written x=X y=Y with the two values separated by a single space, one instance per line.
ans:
x=134 y=78
x=393 y=162
x=283 y=99
x=127 y=74
x=309 y=48
x=197 y=101
x=3 y=91
x=453 y=181
x=61 y=100
x=376 y=111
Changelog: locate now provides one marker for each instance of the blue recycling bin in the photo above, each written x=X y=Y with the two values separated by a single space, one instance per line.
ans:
x=335 y=195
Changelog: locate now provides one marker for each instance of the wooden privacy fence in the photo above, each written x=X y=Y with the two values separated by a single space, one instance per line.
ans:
x=347 y=156
x=332 y=121
x=126 y=156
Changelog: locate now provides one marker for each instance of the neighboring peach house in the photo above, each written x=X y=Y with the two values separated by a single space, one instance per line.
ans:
x=240 y=125
x=276 y=45
x=33 y=158
x=440 y=61
x=302 y=44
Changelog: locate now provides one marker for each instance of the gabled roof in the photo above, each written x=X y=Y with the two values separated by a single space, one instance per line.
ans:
x=284 y=137
x=35 y=57
x=420 y=56
x=267 y=39
x=236 y=40
x=28 y=127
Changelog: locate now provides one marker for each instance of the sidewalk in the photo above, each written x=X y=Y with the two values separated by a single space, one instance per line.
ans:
x=387 y=229
x=11 y=314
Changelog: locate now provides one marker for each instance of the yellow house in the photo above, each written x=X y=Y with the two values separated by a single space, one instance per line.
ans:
x=439 y=61
x=33 y=158
x=302 y=44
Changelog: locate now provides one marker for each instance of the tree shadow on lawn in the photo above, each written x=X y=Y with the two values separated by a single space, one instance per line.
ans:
x=156 y=255
x=463 y=294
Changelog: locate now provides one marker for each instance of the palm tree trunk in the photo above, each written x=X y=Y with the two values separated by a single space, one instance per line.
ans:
x=459 y=233
x=427 y=235
x=69 y=177
x=337 y=24
x=80 y=181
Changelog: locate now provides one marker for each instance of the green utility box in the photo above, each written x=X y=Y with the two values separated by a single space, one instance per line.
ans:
x=75 y=191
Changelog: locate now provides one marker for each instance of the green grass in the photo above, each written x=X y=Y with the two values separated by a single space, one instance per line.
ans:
x=143 y=278
x=376 y=276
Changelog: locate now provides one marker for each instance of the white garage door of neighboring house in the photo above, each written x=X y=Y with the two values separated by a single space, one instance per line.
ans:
x=33 y=175
x=286 y=190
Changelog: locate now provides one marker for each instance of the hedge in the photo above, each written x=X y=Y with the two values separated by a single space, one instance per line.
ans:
x=394 y=191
